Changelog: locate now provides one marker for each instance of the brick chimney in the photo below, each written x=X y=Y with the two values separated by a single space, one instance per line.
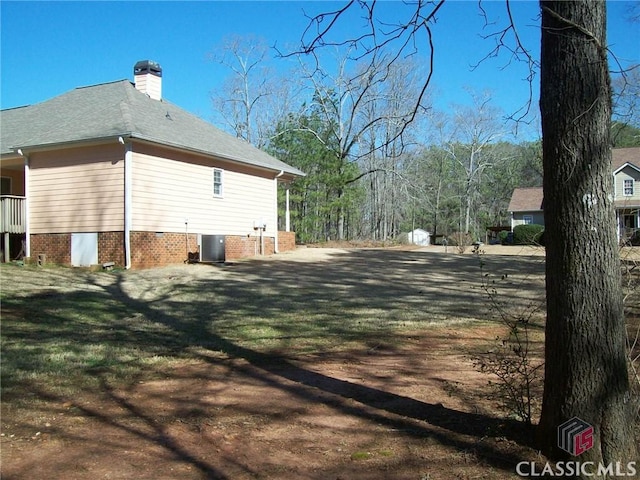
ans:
x=147 y=77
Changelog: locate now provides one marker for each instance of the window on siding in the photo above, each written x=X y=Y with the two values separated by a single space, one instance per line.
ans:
x=217 y=182
x=527 y=219
x=5 y=187
x=628 y=187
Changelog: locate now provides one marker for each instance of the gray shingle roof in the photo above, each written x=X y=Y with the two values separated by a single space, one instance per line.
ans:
x=526 y=200
x=118 y=109
x=621 y=156
x=531 y=199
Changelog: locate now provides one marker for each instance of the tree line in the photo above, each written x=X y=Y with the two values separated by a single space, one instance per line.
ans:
x=378 y=166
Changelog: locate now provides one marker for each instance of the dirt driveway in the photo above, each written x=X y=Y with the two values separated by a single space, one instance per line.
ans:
x=313 y=364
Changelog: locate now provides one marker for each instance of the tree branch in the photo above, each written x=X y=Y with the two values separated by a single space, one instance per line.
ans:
x=516 y=53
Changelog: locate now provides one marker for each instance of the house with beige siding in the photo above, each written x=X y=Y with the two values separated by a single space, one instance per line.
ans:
x=114 y=173
x=526 y=205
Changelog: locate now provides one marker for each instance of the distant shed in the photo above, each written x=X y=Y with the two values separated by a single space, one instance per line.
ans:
x=419 y=237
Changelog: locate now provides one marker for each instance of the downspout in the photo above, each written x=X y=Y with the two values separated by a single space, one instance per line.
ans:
x=128 y=215
x=275 y=187
x=27 y=219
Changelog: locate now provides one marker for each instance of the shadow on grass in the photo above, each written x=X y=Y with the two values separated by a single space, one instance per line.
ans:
x=363 y=296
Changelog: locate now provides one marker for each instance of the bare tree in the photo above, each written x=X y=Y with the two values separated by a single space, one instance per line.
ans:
x=443 y=176
x=386 y=150
x=365 y=115
x=254 y=98
x=475 y=128
x=626 y=97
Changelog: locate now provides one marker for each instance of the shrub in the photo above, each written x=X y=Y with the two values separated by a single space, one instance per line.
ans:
x=527 y=234
x=503 y=235
x=461 y=240
x=513 y=362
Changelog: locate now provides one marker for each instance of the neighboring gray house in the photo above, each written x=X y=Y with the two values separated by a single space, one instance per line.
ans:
x=115 y=173
x=626 y=173
x=527 y=204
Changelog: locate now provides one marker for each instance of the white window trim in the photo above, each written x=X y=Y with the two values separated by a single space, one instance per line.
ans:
x=631 y=187
x=213 y=180
x=527 y=217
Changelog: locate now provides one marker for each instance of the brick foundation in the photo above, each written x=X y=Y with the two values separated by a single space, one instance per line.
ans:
x=286 y=241
x=150 y=249
x=236 y=247
x=111 y=248
x=55 y=246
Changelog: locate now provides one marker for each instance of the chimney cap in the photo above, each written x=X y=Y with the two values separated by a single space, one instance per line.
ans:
x=147 y=66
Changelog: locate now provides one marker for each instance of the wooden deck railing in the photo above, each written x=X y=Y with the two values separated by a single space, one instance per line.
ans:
x=13 y=214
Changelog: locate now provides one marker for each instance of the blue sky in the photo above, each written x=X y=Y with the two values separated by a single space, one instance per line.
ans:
x=48 y=48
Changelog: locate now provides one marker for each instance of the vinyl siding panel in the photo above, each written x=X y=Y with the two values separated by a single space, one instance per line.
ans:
x=537 y=217
x=247 y=199
x=77 y=190
x=627 y=173
x=166 y=191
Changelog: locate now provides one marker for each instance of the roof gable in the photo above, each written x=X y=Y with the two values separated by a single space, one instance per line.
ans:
x=622 y=156
x=626 y=165
x=117 y=109
x=526 y=200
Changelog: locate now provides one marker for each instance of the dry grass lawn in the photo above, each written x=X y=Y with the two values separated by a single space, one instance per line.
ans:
x=324 y=363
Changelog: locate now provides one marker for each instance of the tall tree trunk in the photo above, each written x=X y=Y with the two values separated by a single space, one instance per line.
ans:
x=467 y=207
x=471 y=171
x=435 y=215
x=585 y=359
x=340 y=215
x=438 y=193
